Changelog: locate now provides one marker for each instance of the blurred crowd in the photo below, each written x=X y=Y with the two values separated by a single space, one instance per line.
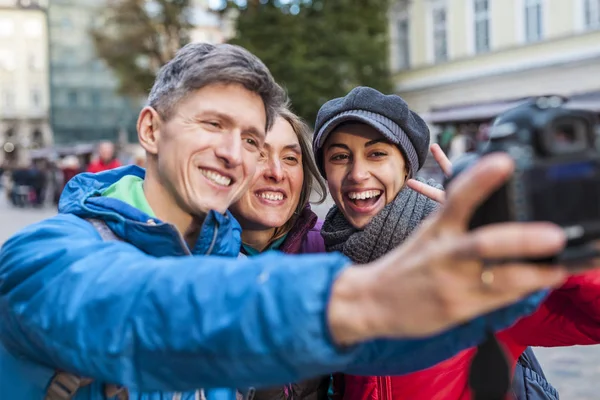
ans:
x=40 y=182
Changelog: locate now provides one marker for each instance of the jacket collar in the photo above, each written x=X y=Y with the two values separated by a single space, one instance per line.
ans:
x=220 y=234
x=304 y=223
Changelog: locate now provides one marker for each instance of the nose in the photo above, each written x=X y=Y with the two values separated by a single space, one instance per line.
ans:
x=229 y=150
x=273 y=170
x=358 y=172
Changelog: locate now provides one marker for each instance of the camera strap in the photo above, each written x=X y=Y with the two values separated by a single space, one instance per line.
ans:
x=489 y=375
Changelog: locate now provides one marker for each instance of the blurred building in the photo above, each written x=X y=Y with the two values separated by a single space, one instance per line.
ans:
x=208 y=24
x=85 y=106
x=461 y=62
x=24 y=87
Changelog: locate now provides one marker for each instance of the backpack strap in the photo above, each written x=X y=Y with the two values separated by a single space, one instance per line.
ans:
x=105 y=232
x=64 y=386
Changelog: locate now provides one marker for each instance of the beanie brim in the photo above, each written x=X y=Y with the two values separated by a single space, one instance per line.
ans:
x=388 y=128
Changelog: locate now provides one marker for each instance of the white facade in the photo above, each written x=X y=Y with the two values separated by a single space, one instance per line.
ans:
x=24 y=84
x=470 y=58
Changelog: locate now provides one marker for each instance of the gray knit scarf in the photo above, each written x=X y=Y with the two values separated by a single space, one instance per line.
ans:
x=389 y=228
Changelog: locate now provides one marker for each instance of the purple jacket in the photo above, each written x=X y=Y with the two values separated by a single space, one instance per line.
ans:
x=305 y=235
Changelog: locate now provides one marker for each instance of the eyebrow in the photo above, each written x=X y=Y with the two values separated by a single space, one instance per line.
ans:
x=294 y=147
x=368 y=144
x=230 y=120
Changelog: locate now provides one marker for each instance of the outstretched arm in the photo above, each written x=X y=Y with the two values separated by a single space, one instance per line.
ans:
x=569 y=316
x=109 y=311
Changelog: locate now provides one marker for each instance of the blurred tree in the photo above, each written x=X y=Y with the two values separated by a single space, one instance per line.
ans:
x=137 y=37
x=318 y=49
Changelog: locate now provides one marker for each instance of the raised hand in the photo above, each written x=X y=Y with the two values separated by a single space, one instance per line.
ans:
x=446 y=166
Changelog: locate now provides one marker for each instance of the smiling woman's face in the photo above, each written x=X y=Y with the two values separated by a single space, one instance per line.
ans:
x=364 y=171
x=277 y=185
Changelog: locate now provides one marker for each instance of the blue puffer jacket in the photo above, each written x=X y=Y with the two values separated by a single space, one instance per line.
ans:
x=147 y=315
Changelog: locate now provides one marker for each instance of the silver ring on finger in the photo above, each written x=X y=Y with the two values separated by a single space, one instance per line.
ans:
x=487 y=278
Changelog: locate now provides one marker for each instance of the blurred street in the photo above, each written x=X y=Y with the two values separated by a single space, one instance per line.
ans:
x=572 y=371
x=13 y=219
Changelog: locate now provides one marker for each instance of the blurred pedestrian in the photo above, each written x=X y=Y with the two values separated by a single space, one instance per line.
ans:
x=106 y=160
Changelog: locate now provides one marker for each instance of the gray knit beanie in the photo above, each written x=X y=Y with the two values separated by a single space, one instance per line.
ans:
x=388 y=114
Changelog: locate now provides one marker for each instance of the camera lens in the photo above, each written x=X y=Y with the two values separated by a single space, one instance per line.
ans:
x=568 y=135
x=565 y=135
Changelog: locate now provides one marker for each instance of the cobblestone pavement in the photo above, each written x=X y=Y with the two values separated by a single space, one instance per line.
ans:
x=574 y=371
x=12 y=219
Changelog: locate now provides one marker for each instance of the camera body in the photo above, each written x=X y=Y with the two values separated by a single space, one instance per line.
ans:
x=556 y=177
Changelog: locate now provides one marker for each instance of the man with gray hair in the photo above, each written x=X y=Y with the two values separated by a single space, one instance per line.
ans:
x=136 y=282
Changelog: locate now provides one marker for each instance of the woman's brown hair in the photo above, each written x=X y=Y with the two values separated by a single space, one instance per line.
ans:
x=313 y=183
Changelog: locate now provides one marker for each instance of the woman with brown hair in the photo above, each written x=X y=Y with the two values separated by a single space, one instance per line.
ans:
x=275 y=215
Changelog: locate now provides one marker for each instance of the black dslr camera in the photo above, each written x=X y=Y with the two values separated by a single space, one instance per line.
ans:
x=557 y=173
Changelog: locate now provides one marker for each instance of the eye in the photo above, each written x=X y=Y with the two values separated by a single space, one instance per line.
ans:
x=378 y=154
x=251 y=142
x=213 y=124
x=339 y=157
x=291 y=160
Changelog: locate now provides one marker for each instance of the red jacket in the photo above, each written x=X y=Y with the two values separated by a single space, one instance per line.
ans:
x=569 y=316
x=98 y=166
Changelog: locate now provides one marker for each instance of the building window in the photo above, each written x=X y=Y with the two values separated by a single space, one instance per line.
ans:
x=533 y=20
x=70 y=57
x=33 y=28
x=440 y=32
x=7 y=27
x=482 y=25
x=36 y=98
x=8 y=99
x=66 y=23
x=403 y=49
x=7 y=60
x=400 y=34
x=72 y=98
x=96 y=98
x=34 y=62
x=37 y=139
x=591 y=9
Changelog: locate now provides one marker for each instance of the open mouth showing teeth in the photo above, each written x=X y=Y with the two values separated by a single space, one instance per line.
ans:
x=216 y=177
x=366 y=198
x=273 y=196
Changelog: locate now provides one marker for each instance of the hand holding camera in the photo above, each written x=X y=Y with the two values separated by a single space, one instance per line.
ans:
x=556 y=177
x=442 y=265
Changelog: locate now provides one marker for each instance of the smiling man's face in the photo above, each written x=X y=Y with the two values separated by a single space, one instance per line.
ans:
x=208 y=151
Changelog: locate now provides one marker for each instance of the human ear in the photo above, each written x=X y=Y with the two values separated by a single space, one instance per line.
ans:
x=148 y=128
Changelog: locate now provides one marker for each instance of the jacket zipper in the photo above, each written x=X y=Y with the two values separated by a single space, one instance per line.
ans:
x=384 y=387
x=213 y=242
x=186 y=249
x=184 y=246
